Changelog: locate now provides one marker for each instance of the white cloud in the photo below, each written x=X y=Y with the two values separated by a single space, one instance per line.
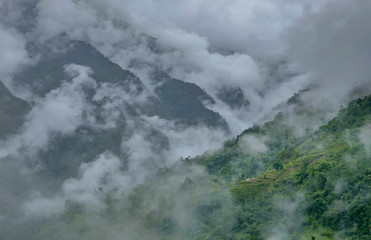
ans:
x=64 y=16
x=95 y=179
x=41 y=207
x=13 y=54
x=212 y=43
x=185 y=33
x=185 y=142
x=253 y=144
x=365 y=138
x=291 y=217
x=332 y=46
x=60 y=111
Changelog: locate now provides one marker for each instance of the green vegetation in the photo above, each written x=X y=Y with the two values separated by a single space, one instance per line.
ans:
x=312 y=186
x=330 y=168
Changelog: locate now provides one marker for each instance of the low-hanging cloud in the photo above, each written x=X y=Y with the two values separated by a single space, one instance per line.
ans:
x=13 y=54
x=253 y=144
x=60 y=111
x=184 y=50
x=95 y=179
x=214 y=44
x=365 y=138
x=332 y=45
x=291 y=217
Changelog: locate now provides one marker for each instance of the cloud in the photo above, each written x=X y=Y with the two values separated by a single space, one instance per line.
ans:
x=109 y=173
x=57 y=17
x=41 y=207
x=291 y=217
x=211 y=43
x=332 y=46
x=253 y=144
x=60 y=111
x=215 y=70
x=143 y=160
x=189 y=141
x=326 y=40
x=244 y=31
x=217 y=44
x=364 y=137
x=13 y=54
x=237 y=25
x=95 y=179
x=313 y=37
x=103 y=174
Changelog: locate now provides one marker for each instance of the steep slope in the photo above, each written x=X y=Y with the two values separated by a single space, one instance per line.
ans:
x=49 y=72
x=175 y=99
x=234 y=97
x=12 y=112
x=184 y=102
x=115 y=105
x=316 y=186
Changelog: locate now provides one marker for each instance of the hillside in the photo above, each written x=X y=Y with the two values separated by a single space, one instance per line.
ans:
x=178 y=120
x=312 y=186
x=173 y=99
x=115 y=107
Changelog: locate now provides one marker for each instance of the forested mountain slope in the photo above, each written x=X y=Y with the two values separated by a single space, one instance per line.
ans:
x=315 y=185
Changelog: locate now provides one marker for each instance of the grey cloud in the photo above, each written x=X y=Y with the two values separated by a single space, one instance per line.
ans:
x=57 y=17
x=186 y=142
x=13 y=54
x=245 y=28
x=95 y=179
x=256 y=30
x=332 y=46
x=186 y=56
x=213 y=43
x=237 y=25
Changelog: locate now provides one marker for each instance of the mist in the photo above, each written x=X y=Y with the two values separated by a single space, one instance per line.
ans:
x=260 y=54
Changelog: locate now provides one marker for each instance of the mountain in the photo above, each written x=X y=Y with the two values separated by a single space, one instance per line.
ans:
x=234 y=97
x=266 y=183
x=178 y=120
x=174 y=99
x=12 y=112
x=116 y=104
x=184 y=102
x=313 y=186
x=49 y=72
